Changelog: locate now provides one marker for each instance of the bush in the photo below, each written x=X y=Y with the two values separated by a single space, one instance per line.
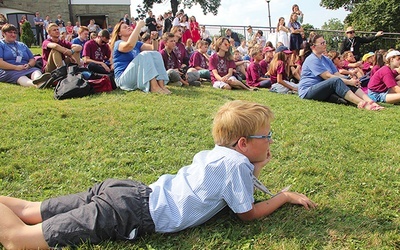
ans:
x=27 y=35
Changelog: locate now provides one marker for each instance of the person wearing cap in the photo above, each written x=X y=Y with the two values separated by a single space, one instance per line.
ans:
x=368 y=60
x=353 y=43
x=254 y=73
x=268 y=53
x=384 y=85
x=278 y=72
x=320 y=80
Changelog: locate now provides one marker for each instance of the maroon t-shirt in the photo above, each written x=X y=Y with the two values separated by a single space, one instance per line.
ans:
x=170 y=60
x=383 y=80
x=46 y=51
x=198 y=60
x=280 y=69
x=264 y=67
x=96 y=52
x=253 y=72
x=221 y=64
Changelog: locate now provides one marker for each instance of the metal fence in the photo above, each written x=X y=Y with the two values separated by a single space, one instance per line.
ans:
x=334 y=37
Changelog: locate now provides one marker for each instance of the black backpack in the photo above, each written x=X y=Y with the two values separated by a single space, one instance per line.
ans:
x=73 y=85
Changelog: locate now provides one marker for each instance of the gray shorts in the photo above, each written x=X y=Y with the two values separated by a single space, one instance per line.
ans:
x=111 y=210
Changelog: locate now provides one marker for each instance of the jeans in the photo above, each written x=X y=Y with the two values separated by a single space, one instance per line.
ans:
x=323 y=90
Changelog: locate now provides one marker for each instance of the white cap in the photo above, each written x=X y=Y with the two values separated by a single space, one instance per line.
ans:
x=392 y=54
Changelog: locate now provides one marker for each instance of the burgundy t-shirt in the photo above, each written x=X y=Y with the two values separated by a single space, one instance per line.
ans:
x=383 y=80
x=221 y=64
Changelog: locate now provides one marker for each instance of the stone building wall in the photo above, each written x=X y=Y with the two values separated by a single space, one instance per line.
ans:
x=55 y=7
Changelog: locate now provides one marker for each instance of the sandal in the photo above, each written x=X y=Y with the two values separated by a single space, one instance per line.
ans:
x=375 y=106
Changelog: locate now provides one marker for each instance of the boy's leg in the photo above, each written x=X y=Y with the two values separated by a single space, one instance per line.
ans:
x=54 y=61
x=15 y=234
x=27 y=211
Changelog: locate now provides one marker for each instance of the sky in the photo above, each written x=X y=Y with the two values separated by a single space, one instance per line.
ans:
x=255 y=12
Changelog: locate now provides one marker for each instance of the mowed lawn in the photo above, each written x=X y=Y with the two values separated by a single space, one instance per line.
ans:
x=346 y=160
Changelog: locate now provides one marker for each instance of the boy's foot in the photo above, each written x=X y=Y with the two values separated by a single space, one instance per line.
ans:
x=195 y=83
x=41 y=79
x=176 y=84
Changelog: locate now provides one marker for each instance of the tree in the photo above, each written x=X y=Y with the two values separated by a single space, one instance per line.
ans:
x=333 y=33
x=208 y=6
x=336 y=4
x=27 y=35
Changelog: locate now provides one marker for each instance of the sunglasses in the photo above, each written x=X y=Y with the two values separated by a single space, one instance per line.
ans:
x=350 y=32
x=104 y=42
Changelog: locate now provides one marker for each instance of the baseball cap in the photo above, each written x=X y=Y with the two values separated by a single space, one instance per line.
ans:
x=284 y=49
x=268 y=49
x=366 y=56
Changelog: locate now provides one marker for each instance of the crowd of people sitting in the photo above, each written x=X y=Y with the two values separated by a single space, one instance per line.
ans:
x=152 y=53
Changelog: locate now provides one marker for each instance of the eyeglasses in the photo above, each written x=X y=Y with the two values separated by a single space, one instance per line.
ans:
x=321 y=43
x=104 y=42
x=12 y=32
x=268 y=137
x=350 y=32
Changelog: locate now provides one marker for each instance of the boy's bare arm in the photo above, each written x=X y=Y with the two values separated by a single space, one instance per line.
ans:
x=267 y=207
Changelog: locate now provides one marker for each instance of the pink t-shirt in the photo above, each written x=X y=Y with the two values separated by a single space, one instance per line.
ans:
x=280 y=69
x=383 y=80
x=221 y=64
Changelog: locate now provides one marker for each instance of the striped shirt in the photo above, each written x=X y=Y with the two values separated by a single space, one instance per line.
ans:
x=216 y=178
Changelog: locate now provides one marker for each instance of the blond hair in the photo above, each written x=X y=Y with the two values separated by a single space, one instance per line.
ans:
x=239 y=118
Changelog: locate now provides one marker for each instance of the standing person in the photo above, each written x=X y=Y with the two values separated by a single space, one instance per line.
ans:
x=177 y=19
x=17 y=64
x=168 y=22
x=221 y=66
x=186 y=29
x=82 y=38
x=298 y=12
x=384 y=85
x=57 y=52
x=222 y=177
x=76 y=29
x=194 y=29
x=250 y=35
x=137 y=65
x=320 y=79
x=296 y=39
x=283 y=32
x=151 y=22
x=125 y=19
x=21 y=22
x=93 y=27
x=39 y=23
x=46 y=23
x=353 y=43
x=60 y=21
x=96 y=53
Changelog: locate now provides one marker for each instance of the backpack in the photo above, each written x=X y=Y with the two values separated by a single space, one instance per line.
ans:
x=56 y=76
x=102 y=84
x=73 y=85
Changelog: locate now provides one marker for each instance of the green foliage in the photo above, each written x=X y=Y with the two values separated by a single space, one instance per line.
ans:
x=208 y=6
x=336 y=4
x=27 y=35
x=333 y=38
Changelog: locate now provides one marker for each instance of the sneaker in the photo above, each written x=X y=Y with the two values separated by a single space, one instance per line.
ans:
x=41 y=79
x=195 y=83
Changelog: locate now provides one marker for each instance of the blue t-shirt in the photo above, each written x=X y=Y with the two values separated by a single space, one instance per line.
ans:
x=78 y=41
x=216 y=178
x=10 y=51
x=312 y=68
x=122 y=59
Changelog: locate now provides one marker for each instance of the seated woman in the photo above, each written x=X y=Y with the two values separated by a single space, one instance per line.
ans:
x=320 y=79
x=384 y=85
x=221 y=66
x=17 y=64
x=137 y=65
x=278 y=72
x=378 y=62
x=254 y=73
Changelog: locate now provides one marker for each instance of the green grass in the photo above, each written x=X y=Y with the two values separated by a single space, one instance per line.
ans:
x=345 y=159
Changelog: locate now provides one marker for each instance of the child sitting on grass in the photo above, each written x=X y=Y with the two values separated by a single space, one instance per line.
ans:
x=124 y=209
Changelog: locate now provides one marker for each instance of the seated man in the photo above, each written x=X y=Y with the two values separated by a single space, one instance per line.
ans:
x=57 y=52
x=96 y=53
x=82 y=38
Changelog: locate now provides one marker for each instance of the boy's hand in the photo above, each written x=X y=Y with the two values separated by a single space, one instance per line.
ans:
x=300 y=199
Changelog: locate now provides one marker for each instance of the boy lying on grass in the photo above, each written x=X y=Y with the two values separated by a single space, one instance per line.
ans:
x=124 y=209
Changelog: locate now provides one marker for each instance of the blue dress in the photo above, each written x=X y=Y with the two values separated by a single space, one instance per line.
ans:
x=134 y=70
x=295 y=39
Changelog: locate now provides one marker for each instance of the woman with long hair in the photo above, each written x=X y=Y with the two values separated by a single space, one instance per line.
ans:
x=137 y=65
x=221 y=66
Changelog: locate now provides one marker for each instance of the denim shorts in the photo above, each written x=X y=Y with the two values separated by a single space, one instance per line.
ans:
x=377 y=97
x=111 y=210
